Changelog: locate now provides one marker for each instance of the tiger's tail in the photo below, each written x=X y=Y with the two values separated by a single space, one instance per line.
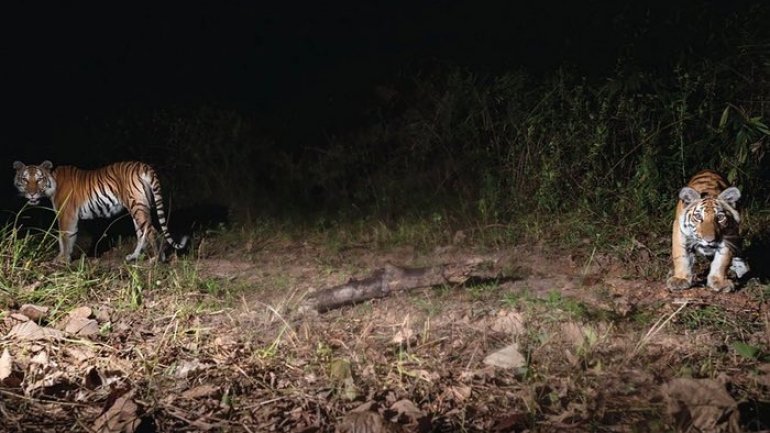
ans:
x=154 y=184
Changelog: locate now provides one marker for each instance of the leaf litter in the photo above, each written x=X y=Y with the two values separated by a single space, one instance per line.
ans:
x=418 y=362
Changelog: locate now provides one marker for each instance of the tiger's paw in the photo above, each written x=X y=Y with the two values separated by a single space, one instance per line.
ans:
x=676 y=283
x=720 y=284
x=61 y=260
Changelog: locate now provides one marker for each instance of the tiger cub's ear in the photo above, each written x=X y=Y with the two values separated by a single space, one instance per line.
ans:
x=730 y=195
x=688 y=195
x=18 y=165
x=46 y=165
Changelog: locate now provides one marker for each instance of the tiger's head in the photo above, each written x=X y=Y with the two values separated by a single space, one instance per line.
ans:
x=708 y=221
x=34 y=181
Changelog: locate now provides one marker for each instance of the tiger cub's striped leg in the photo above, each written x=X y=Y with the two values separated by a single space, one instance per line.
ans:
x=717 y=279
x=683 y=260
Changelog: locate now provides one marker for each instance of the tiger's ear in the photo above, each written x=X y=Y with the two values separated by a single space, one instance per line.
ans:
x=18 y=165
x=730 y=195
x=46 y=164
x=688 y=195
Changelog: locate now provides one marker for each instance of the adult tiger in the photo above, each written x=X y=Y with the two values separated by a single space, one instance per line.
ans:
x=86 y=194
x=707 y=223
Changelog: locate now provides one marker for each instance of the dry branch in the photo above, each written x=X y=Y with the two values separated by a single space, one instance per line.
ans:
x=391 y=278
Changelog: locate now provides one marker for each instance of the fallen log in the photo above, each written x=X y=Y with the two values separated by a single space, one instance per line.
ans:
x=392 y=278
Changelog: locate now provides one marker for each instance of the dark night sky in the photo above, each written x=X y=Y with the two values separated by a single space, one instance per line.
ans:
x=64 y=61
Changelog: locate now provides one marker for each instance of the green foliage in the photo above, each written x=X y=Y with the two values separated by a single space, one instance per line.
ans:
x=488 y=149
x=746 y=350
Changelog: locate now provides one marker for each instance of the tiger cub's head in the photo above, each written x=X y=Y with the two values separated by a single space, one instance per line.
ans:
x=34 y=181
x=709 y=221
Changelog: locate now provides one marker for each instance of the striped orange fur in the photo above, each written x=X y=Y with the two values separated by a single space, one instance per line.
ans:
x=706 y=223
x=86 y=194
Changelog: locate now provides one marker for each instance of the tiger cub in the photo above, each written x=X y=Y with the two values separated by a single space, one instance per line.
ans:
x=706 y=222
x=86 y=194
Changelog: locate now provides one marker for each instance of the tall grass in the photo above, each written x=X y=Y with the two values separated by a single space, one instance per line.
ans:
x=449 y=143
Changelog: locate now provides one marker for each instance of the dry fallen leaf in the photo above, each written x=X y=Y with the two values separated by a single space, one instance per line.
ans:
x=121 y=417
x=80 y=312
x=81 y=326
x=6 y=364
x=460 y=392
x=30 y=331
x=19 y=317
x=507 y=357
x=200 y=391
x=407 y=408
x=367 y=422
x=509 y=322
x=34 y=312
x=703 y=404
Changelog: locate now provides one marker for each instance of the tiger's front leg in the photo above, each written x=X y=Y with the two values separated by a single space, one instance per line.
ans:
x=717 y=278
x=68 y=233
x=683 y=260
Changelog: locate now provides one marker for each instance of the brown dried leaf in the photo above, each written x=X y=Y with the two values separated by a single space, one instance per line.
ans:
x=51 y=379
x=30 y=331
x=34 y=312
x=19 y=317
x=80 y=312
x=407 y=408
x=200 y=391
x=79 y=353
x=41 y=358
x=509 y=322
x=121 y=417
x=102 y=314
x=6 y=364
x=460 y=392
x=185 y=368
x=507 y=357
x=702 y=403
x=367 y=422
x=81 y=326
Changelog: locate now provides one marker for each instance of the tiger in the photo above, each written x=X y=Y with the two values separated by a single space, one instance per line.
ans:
x=706 y=223
x=86 y=194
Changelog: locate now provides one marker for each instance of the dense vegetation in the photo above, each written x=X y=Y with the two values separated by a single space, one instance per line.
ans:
x=585 y=154
x=599 y=149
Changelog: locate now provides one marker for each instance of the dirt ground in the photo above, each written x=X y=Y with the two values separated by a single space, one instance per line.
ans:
x=548 y=341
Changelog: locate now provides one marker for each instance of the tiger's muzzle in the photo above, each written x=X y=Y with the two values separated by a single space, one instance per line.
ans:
x=33 y=199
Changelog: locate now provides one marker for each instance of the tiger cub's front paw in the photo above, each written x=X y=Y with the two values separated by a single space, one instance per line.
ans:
x=61 y=260
x=720 y=284
x=676 y=283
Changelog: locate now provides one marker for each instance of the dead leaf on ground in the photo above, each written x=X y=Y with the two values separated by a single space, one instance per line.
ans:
x=407 y=408
x=460 y=393
x=34 y=312
x=81 y=326
x=187 y=367
x=80 y=312
x=6 y=364
x=509 y=322
x=367 y=422
x=703 y=404
x=121 y=417
x=507 y=357
x=30 y=331
x=200 y=391
x=19 y=317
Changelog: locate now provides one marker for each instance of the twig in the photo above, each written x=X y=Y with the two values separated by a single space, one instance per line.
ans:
x=656 y=328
